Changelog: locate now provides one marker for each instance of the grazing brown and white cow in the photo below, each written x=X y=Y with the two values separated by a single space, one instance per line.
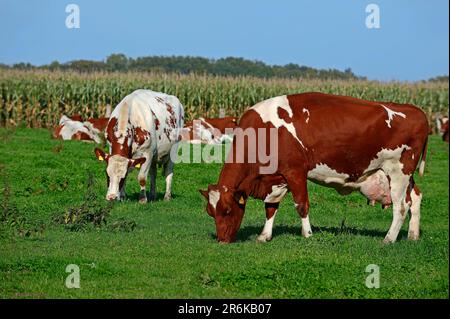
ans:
x=209 y=130
x=141 y=132
x=337 y=141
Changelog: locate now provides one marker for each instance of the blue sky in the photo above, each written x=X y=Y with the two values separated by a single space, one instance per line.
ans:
x=412 y=43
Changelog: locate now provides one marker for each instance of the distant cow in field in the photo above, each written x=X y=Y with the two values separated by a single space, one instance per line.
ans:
x=75 y=128
x=70 y=129
x=442 y=125
x=141 y=132
x=209 y=130
x=336 y=141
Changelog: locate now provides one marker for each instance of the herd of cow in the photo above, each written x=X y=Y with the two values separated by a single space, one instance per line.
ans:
x=341 y=142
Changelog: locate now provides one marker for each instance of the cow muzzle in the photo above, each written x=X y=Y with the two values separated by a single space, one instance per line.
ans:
x=111 y=197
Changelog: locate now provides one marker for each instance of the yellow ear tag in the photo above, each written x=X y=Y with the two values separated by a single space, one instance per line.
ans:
x=241 y=200
x=100 y=158
x=138 y=165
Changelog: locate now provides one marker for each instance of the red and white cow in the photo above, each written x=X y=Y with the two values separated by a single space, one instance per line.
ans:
x=141 y=132
x=442 y=125
x=74 y=128
x=337 y=141
x=70 y=129
x=209 y=130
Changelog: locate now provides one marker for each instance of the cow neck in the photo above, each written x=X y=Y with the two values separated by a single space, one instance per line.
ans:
x=235 y=176
x=117 y=148
x=121 y=149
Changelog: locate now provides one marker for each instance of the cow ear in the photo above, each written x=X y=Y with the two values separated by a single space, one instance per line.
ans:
x=240 y=197
x=137 y=162
x=101 y=156
x=204 y=193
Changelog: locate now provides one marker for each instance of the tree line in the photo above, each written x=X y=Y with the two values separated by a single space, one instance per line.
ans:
x=229 y=66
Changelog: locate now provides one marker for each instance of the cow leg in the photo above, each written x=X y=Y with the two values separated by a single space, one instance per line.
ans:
x=297 y=185
x=168 y=174
x=142 y=179
x=271 y=211
x=399 y=186
x=153 y=170
x=414 y=222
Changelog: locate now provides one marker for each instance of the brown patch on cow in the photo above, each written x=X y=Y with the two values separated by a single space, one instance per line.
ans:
x=170 y=109
x=156 y=124
x=76 y=117
x=57 y=132
x=167 y=132
x=116 y=148
x=445 y=131
x=159 y=99
x=284 y=115
x=409 y=190
x=100 y=123
x=271 y=209
x=81 y=136
x=142 y=182
x=171 y=121
x=140 y=135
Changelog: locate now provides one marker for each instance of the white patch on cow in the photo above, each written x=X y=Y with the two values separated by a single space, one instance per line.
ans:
x=214 y=197
x=268 y=111
x=266 y=234
x=307 y=112
x=116 y=170
x=306 y=227
x=386 y=158
x=91 y=127
x=391 y=115
x=412 y=156
x=414 y=222
x=325 y=174
x=64 y=119
x=277 y=194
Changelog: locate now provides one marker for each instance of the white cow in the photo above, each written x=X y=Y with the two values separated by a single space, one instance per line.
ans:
x=141 y=132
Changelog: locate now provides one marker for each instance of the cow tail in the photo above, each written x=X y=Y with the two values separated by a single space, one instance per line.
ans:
x=423 y=158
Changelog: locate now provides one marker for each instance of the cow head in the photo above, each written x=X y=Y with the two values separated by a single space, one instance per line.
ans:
x=117 y=168
x=227 y=207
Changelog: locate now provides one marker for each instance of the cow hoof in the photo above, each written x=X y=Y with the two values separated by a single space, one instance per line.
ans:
x=167 y=197
x=263 y=238
x=413 y=236
x=388 y=241
x=143 y=200
x=306 y=234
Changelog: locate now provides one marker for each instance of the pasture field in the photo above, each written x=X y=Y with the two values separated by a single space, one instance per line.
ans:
x=172 y=251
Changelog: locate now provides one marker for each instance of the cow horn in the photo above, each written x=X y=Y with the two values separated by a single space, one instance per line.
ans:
x=242 y=200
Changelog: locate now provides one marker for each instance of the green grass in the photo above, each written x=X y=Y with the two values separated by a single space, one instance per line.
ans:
x=173 y=253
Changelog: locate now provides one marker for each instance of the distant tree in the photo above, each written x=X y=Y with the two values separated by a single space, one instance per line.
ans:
x=85 y=65
x=440 y=78
x=117 y=62
x=23 y=66
x=55 y=65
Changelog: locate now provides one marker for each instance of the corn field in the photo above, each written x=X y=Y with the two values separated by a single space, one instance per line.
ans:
x=39 y=98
